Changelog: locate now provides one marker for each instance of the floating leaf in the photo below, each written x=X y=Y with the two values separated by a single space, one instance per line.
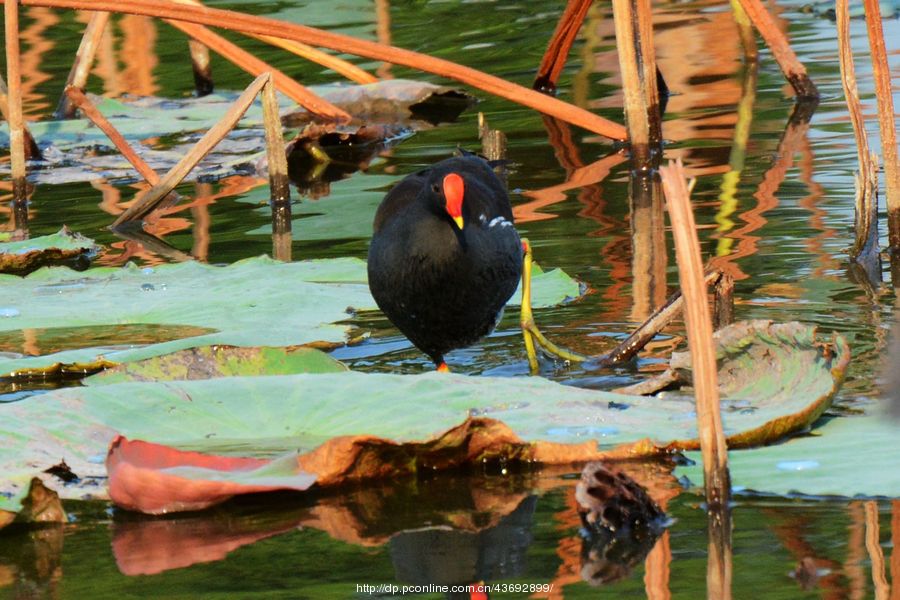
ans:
x=61 y=248
x=848 y=456
x=789 y=356
x=221 y=361
x=353 y=425
x=156 y=479
x=72 y=152
x=393 y=100
x=254 y=302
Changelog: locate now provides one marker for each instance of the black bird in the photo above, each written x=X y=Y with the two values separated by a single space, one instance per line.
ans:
x=445 y=256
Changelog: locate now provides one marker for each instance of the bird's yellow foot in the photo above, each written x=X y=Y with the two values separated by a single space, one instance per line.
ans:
x=530 y=332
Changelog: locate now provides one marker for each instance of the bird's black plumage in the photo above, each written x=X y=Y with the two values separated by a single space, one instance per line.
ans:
x=442 y=286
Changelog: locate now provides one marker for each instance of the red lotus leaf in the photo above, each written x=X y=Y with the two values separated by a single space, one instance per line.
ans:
x=157 y=479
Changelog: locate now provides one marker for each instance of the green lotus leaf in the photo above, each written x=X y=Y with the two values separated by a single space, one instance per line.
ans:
x=270 y=415
x=345 y=213
x=848 y=456
x=208 y=362
x=254 y=302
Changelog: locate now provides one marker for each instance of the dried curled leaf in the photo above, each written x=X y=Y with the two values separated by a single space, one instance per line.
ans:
x=393 y=100
x=762 y=367
x=62 y=248
x=156 y=479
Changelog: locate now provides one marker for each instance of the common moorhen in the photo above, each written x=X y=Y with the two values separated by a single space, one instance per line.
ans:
x=445 y=256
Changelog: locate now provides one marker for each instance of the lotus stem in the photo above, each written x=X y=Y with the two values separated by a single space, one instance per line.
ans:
x=493 y=147
x=648 y=240
x=637 y=59
x=336 y=64
x=865 y=249
x=719 y=553
x=876 y=554
x=658 y=321
x=201 y=67
x=723 y=314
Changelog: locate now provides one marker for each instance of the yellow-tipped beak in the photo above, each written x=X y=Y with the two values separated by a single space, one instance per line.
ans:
x=459 y=222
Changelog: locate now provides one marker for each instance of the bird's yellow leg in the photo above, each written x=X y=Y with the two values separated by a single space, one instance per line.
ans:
x=530 y=331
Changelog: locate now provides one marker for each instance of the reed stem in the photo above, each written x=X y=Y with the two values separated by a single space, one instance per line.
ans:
x=699 y=333
x=793 y=69
x=32 y=152
x=279 y=185
x=84 y=58
x=80 y=101
x=155 y=195
x=15 y=118
x=882 y=73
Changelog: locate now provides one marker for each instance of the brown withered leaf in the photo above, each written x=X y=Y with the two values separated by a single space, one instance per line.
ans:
x=62 y=248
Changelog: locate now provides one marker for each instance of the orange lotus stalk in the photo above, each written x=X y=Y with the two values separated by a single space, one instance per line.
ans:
x=336 y=64
x=246 y=61
x=254 y=25
x=558 y=48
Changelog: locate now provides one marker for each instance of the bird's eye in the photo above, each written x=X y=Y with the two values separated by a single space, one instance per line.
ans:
x=435 y=188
